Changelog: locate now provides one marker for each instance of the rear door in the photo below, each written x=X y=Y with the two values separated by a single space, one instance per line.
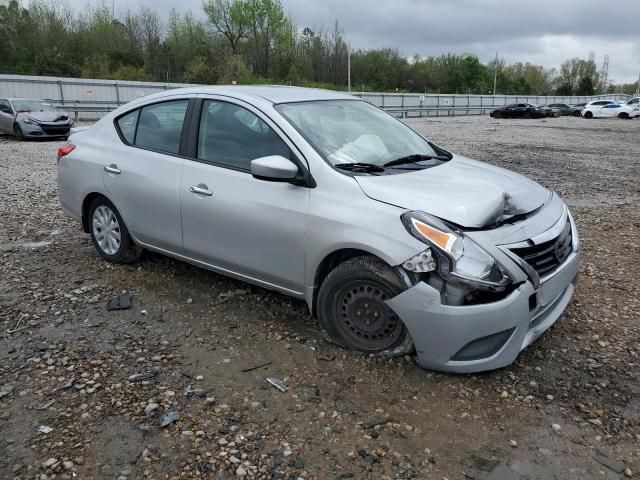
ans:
x=143 y=175
x=232 y=221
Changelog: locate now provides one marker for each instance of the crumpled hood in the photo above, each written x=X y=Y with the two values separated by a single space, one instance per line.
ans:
x=47 y=117
x=466 y=192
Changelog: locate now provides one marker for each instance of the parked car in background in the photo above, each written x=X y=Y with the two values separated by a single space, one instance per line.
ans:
x=580 y=105
x=633 y=103
x=565 y=109
x=391 y=240
x=518 y=110
x=550 y=111
x=33 y=118
x=609 y=110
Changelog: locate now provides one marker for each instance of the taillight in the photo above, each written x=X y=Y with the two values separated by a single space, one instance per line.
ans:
x=64 y=150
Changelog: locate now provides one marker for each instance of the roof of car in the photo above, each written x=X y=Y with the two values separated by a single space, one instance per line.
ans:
x=272 y=93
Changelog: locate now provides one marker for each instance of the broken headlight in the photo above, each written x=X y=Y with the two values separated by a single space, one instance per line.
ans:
x=459 y=259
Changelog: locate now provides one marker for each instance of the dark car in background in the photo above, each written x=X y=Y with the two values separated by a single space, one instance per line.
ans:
x=518 y=110
x=565 y=109
x=550 y=111
x=33 y=118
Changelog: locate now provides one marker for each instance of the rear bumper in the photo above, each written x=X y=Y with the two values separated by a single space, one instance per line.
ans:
x=473 y=338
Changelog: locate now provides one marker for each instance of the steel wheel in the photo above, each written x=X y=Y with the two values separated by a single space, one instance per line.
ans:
x=364 y=319
x=106 y=230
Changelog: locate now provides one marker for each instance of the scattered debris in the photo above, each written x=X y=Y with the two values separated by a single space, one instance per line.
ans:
x=5 y=390
x=121 y=302
x=611 y=463
x=167 y=418
x=45 y=429
x=141 y=377
x=250 y=369
x=44 y=406
x=279 y=384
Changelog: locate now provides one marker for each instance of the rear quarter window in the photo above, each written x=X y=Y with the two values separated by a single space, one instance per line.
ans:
x=127 y=125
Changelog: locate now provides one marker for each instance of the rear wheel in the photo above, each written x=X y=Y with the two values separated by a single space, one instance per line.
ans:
x=109 y=233
x=352 y=311
x=623 y=115
x=588 y=115
x=17 y=131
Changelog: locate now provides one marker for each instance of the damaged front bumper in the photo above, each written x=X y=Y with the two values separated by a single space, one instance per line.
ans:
x=478 y=337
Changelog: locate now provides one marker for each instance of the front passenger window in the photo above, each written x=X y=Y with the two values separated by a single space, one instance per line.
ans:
x=160 y=126
x=232 y=136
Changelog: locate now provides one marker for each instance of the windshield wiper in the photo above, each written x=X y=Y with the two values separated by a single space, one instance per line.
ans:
x=413 y=159
x=361 y=167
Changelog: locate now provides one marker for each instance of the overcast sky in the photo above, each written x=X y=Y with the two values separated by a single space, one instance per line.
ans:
x=544 y=32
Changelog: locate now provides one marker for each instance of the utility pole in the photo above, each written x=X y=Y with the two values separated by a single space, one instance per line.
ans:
x=349 y=67
x=638 y=89
x=495 y=75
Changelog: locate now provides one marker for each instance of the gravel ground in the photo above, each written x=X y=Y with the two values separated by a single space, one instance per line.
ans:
x=84 y=393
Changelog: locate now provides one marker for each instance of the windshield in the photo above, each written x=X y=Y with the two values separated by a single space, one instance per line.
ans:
x=353 y=131
x=33 y=106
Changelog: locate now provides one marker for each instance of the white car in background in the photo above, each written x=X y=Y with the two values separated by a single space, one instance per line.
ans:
x=609 y=109
x=633 y=103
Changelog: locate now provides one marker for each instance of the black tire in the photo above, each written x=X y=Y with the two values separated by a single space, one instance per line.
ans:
x=127 y=251
x=497 y=115
x=623 y=115
x=576 y=113
x=588 y=115
x=352 y=312
x=17 y=131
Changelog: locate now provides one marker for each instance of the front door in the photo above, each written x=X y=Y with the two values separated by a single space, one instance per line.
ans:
x=252 y=228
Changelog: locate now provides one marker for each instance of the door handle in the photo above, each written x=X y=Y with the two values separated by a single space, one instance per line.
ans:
x=200 y=189
x=113 y=168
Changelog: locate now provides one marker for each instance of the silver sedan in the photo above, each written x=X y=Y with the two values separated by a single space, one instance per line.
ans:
x=393 y=242
x=33 y=118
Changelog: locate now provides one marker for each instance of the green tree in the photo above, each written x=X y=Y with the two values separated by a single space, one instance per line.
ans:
x=228 y=18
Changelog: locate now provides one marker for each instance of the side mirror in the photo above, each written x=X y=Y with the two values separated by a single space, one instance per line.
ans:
x=274 y=168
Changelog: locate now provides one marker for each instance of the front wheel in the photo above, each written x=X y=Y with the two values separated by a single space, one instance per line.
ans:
x=352 y=311
x=109 y=233
x=588 y=115
x=576 y=113
x=17 y=131
x=623 y=115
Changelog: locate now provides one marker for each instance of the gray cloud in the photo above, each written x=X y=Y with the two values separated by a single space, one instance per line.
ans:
x=545 y=32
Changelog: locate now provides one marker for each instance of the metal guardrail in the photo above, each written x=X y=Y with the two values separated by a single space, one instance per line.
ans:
x=412 y=112
x=83 y=97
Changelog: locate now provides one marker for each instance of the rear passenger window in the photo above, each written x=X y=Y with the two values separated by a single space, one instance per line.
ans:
x=231 y=135
x=160 y=126
x=127 y=125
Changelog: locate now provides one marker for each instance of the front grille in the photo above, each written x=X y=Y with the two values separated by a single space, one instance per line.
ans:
x=546 y=257
x=55 y=129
